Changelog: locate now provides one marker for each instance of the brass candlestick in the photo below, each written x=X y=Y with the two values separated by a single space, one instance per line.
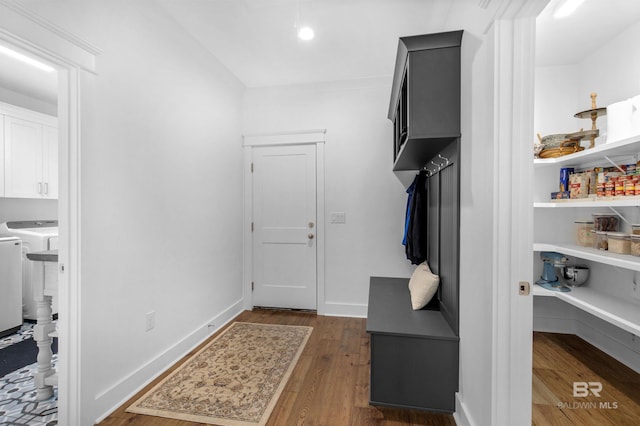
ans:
x=593 y=114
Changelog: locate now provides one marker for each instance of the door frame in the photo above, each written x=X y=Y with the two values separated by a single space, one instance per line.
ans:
x=514 y=29
x=301 y=137
x=71 y=56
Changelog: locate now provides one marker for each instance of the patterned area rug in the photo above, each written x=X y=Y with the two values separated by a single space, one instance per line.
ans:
x=235 y=380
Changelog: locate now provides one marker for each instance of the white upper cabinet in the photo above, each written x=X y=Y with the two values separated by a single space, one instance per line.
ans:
x=30 y=155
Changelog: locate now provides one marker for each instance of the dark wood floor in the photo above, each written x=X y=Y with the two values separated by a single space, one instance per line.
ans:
x=330 y=384
x=559 y=360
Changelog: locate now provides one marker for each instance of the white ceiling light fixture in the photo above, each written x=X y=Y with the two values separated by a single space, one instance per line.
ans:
x=305 y=32
x=26 y=59
x=567 y=8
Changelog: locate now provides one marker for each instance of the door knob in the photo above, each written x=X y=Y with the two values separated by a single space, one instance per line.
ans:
x=310 y=236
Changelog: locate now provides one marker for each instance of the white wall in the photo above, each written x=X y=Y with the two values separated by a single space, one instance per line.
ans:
x=358 y=178
x=161 y=198
x=476 y=231
x=12 y=209
x=557 y=99
x=563 y=90
x=612 y=70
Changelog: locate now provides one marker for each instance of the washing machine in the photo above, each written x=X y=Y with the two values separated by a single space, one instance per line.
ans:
x=36 y=235
x=10 y=285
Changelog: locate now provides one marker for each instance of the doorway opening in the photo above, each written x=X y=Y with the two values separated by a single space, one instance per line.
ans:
x=586 y=353
x=284 y=220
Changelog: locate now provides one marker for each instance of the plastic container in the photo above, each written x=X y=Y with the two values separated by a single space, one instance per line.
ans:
x=635 y=244
x=584 y=233
x=600 y=240
x=619 y=242
x=635 y=228
x=606 y=222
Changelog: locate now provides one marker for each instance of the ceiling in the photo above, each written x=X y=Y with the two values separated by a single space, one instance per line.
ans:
x=355 y=39
x=569 y=40
x=256 y=39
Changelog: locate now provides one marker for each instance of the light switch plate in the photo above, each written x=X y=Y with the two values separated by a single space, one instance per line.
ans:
x=337 y=217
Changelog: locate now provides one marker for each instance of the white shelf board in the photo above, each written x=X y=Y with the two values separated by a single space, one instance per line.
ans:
x=630 y=201
x=621 y=313
x=629 y=146
x=626 y=261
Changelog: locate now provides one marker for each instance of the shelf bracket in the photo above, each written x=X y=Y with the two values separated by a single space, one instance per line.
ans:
x=621 y=217
x=614 y=164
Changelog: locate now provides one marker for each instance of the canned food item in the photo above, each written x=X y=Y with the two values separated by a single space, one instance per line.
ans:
x=629 y=188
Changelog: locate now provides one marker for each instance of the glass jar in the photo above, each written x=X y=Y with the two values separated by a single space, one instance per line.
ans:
x=635 y=244
x=606 y=222
x=600 y=240
x=619 y=242
x=583 y=232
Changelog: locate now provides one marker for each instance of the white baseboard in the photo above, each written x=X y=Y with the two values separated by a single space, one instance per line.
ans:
x=113 y=397
x=554 y=325
x=333 y=309
x=617 y=343
x=461 y=415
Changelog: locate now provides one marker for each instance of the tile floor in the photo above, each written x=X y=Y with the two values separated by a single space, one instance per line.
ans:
x=18 y=404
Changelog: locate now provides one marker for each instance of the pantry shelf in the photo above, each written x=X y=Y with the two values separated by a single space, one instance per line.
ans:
x=629 y=146
x=628 y=201
x=621 y=313
x=626 y=261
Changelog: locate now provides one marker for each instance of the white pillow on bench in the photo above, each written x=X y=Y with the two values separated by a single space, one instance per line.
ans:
x=422 y=286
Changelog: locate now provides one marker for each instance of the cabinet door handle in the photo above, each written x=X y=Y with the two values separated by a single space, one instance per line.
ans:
x=39 y=187
x=46 y=188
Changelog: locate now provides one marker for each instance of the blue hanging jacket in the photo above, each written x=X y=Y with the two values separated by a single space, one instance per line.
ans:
x=410 y=190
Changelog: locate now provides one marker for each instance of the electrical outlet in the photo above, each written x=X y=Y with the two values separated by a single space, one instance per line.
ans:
x=150 y=320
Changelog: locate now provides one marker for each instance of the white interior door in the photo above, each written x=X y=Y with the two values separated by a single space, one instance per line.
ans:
x=284 y=226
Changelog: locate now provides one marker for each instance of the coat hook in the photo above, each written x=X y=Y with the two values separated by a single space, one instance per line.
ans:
x=446 y=160
x=437 y=165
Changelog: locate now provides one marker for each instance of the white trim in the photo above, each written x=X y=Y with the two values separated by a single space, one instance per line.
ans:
x=37 y=35
x=69 y=250
x=274 y=139
x=354 y=310
x=514 y=67
x=153 y=368
x=320 y=230
x=316 y=136
x=28 y=115
x=461 y=414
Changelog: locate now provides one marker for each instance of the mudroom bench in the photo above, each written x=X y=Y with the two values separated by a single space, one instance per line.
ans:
x=414 y=354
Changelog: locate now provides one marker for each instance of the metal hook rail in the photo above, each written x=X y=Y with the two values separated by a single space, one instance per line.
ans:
x=438 y=167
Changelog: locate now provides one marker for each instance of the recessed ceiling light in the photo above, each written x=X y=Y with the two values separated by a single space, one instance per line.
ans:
x=567 y=8
x=26 y=59
x=306 y=34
